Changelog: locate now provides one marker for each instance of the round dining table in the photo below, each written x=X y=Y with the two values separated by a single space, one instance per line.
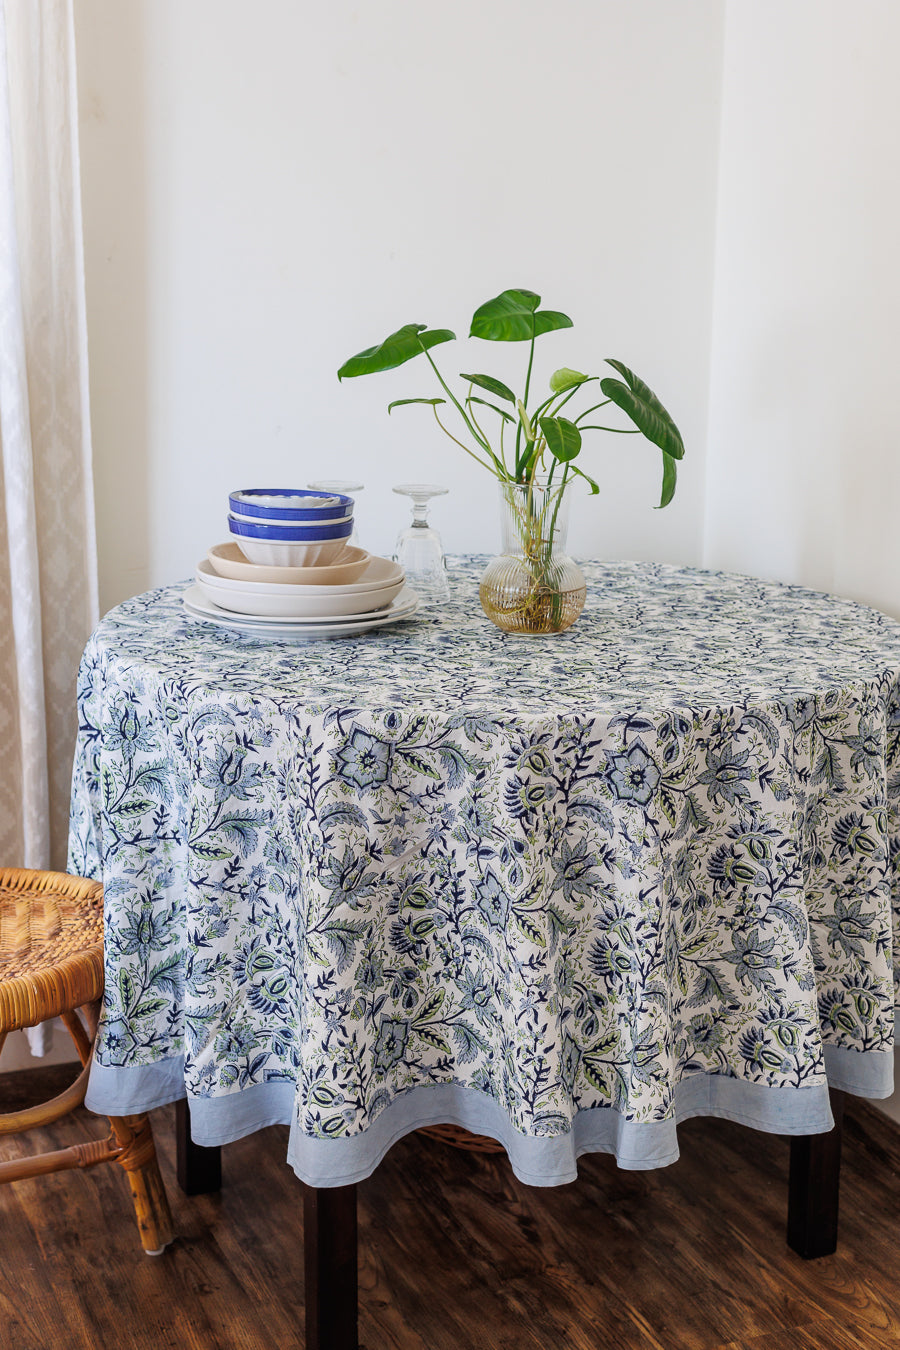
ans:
x=564 y=891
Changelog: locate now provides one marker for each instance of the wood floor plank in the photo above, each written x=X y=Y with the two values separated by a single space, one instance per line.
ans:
x=455 y=1253
x=825 y=1335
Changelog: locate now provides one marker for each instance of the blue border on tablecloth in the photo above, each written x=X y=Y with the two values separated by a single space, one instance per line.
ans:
x=550 y=1161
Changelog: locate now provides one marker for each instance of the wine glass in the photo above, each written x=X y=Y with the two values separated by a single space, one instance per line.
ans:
x=349 y=488
x=419 y=549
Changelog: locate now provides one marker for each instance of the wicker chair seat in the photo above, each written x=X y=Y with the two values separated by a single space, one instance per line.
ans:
x=51 y=945
x=51 y=965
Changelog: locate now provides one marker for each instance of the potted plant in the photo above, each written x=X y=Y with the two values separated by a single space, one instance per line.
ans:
x=531 y=451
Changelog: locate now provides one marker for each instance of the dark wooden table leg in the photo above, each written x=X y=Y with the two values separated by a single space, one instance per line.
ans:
x=329 y=1243
x=199 y=1169
x=814 y=1185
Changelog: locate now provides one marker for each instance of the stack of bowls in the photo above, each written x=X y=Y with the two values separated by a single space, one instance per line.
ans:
x=279 y=527
x=289 y=567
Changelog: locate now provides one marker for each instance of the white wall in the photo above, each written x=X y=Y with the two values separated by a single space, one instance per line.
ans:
x=803 y=472
x=270 y=188
x=803 y=477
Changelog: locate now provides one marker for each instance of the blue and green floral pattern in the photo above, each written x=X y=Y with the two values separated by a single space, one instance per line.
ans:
x=562 y=872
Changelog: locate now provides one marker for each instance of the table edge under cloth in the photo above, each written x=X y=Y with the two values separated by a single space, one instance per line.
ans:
x=536 y=1161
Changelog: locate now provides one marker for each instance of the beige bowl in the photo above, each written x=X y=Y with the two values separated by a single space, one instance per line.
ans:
x=229 y=561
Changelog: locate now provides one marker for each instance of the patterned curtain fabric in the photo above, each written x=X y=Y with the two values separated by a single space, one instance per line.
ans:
x=48 y=570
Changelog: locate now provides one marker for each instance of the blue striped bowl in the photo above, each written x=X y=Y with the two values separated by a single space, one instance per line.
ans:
x=290 y=504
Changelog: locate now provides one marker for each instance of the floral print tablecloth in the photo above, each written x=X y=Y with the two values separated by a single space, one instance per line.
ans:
x=566 y=890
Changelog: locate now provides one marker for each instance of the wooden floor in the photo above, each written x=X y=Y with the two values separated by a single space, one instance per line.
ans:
x=455 y=1254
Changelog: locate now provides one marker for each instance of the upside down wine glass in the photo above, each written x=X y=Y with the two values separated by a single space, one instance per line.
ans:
x=419 y=550
x=348 y=486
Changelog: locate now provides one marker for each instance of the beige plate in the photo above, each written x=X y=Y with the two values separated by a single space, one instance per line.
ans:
x=229 y=561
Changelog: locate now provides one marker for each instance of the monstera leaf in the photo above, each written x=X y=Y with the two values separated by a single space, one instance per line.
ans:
x=409 y=341
x=650 y=417
x=513 y=316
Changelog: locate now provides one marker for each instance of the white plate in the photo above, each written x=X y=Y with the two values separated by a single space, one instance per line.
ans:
x=405 y=600
x=378 y=572
x=293 y=602
x=294 y=630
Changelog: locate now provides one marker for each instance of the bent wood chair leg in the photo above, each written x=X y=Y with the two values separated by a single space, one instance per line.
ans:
x=199 y=1169
x=330 y=1261
x=813 y=1188
x=138 y=1159
x=130 y=1144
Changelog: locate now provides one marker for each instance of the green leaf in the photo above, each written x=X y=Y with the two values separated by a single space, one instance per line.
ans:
x=644 y=408
x=651 y=419
x=513 y=316
x=564 y=379
x=563 y=437
x=670 y=473
x=407 y=342
x=486 y=403
x=495 y=387
x=595 y=487
x=400 y=402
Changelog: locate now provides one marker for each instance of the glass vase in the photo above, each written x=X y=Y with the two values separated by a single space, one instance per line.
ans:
x=533 y=587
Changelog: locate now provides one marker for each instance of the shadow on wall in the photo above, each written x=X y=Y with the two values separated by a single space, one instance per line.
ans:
x=113 y=145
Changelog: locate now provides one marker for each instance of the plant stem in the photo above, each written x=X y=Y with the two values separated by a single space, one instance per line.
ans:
x=530 y=361
x=483 y=437
x=519 y=465
x=461 y=444
x=460 y=409
x=587 y=412
x=559 y=497
x=531 y=512
x=620 y=431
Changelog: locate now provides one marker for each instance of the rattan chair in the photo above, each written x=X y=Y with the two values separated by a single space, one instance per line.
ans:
x=51 y=964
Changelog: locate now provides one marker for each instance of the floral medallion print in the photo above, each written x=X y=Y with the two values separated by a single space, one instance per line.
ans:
x=563 y=872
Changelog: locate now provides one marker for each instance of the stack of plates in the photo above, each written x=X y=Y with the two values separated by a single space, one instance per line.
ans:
x=293 y=611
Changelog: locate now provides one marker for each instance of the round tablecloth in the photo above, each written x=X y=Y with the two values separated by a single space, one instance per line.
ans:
x=563 y=890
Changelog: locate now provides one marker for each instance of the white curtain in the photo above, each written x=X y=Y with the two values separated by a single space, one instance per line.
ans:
x=48 y=570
